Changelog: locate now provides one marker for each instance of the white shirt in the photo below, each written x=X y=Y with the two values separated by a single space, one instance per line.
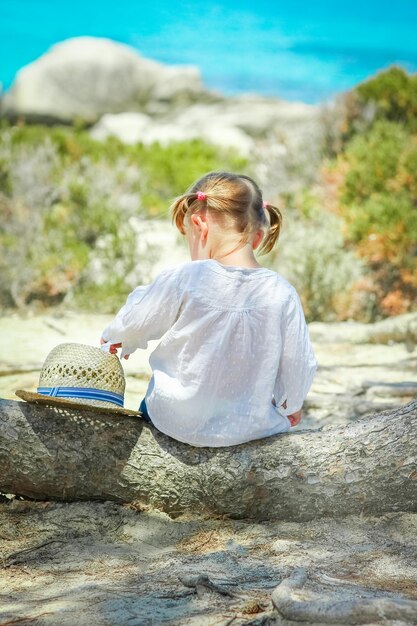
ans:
x=231 y=339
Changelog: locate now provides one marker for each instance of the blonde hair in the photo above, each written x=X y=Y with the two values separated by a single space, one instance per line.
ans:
x=230 y=196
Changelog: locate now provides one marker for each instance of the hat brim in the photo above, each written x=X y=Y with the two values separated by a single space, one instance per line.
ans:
x=37 y=398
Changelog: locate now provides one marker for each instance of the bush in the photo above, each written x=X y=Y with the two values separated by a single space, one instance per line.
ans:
x=374 y=175
x=66 y=205
x=371 y=161
x=313 y=256
x=378 y=201
x=391 y=96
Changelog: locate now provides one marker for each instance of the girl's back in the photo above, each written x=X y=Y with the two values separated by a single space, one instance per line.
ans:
x=230 y=336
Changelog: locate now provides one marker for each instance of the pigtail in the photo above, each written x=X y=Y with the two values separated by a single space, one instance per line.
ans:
x=275 y=223
x=179 y=209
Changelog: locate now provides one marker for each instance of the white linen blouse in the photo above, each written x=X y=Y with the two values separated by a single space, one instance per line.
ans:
x=232 y=339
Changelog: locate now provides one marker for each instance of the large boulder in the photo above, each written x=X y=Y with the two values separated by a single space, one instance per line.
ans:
x=86 y=77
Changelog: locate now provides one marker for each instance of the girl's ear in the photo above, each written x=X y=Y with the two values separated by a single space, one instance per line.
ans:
x=201 y=225
x=257 y=239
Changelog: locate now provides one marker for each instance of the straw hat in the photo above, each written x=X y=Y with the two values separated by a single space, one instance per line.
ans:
x=79 y=376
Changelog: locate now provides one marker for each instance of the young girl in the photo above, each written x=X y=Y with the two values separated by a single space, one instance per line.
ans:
x=235 y=361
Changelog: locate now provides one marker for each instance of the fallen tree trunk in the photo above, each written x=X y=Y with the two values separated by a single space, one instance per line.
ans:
x=369 y=466
x=399 y=328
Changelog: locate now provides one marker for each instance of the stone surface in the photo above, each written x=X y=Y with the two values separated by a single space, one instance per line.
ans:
x=243 y=123
x=253 y=114
x=132 y=128
x=397 y=329
x=85 y=77
x=139 y=100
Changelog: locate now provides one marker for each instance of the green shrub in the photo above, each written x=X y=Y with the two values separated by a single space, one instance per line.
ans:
x=378 y=201
x=313 y=256
x=391 y=95
x=66 y=208
x=372 y=159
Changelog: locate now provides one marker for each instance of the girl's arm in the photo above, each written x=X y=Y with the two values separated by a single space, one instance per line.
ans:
x=148 y=313
x=297 y=363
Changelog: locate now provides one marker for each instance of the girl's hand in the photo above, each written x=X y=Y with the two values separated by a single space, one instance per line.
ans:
x=295 y=418
x=114 y=347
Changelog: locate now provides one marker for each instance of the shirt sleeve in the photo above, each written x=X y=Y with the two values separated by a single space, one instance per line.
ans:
x=297 y=363
x=148 y=313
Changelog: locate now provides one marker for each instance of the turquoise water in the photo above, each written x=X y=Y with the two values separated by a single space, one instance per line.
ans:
x=296 y=50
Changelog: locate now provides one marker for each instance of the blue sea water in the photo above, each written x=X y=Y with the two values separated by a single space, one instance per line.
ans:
x=297 y=50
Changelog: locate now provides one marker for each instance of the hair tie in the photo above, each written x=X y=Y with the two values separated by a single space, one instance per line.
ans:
x=201 y=195
x=264 y=205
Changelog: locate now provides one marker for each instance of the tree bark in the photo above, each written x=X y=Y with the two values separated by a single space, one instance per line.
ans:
x=368 y=466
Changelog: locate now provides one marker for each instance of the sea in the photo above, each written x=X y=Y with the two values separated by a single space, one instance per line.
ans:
x=297 y=50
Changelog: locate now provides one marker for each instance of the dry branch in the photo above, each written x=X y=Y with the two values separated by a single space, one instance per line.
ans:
x=359 y=611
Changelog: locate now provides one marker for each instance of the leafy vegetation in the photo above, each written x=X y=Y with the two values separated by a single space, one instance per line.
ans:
x=72 y=209
x=313 y=256
x=391 y=95
x=377 y=189
x=70 y=206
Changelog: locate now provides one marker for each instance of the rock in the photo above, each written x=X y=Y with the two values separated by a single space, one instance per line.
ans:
x=140 y=100
x=138 y=127
x=130 y=128
x=255 y=115
x=228 y=137
x=238 y=123
x=86 y=77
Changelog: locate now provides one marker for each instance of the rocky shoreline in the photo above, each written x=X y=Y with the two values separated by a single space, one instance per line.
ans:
x=111 y=88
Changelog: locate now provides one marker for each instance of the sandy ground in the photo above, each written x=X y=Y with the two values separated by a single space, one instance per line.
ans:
x=104 y=564
x=85 y=563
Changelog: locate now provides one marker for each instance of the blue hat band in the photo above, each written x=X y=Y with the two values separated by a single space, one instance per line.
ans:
x=86 y=393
